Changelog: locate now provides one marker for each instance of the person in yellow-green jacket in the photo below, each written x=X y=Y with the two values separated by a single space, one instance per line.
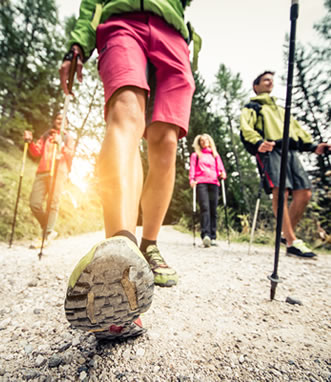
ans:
x=143 y=62
x=261 y=125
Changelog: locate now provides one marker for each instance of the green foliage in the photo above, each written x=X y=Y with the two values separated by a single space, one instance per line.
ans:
x=29 y=57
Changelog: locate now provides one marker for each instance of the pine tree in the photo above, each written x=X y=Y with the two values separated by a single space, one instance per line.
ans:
x=230 y=98
x=30 y=52
x=312 y=107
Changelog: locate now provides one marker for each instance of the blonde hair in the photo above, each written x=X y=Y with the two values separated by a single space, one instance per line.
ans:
x=197 y=147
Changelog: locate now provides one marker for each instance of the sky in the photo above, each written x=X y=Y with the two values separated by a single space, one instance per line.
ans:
x=245 y=35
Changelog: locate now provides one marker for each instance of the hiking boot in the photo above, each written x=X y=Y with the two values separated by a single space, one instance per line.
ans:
x=299 y=248
x=132 y=329
x=163 y=274
x=213 y=243
x=206 y=241
x=109 y=288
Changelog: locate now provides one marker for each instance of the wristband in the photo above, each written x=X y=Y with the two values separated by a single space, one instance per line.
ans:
x=69 y=56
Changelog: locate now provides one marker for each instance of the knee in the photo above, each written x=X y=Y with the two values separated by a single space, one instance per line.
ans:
x=35 y=206
x=126 y=110
x=162 y=149
x=164 y=139
x=306 y=196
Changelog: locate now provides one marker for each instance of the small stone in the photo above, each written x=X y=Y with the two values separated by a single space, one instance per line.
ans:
x=30 y=374
x=293 y=301
x=140 y=352
x=28 y=349
x=81 y=360
x=242 y=359
x=126 y=354
x=75 y=341
x=54 y=361
x=40 y=360
x=82 y=375
x=64 y=347
x=5 y=323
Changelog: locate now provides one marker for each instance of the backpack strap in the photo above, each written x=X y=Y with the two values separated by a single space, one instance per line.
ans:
x=197 y=42
x=257 y=107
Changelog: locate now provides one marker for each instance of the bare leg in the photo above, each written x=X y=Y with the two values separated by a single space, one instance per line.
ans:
x=120 y=169
x=287 y=227
x=300 y=199
x=162 y=145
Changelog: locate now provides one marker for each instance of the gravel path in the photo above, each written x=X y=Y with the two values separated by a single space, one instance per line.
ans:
x=218 y=324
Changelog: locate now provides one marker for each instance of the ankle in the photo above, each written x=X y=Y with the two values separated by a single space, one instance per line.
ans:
x=146 y=243
x=127 y=234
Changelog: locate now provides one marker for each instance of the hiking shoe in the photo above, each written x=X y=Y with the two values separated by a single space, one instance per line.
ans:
x=283 y=240
x=213 y=243
x=36 y=243
x=206 y=241
x=109 y=288
x=299 y=248
x=132 y=329
x=163 y=274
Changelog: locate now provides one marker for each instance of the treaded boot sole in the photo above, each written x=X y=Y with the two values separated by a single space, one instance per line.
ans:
x=129 y=330
x=111 y=286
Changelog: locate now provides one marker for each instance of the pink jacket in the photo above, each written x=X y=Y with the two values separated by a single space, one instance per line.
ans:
x=207 y=168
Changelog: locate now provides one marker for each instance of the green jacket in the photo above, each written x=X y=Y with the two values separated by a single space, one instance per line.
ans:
x=268 y=124
x=94 y=12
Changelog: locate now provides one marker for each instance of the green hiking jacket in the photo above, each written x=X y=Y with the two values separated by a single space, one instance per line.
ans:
x=268 y=125
x=94 y=12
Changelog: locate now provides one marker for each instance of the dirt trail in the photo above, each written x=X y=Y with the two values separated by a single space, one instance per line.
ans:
x=218 y=324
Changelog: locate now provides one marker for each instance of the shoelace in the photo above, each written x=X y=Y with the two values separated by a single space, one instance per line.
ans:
x=301 y=245
x=154 y=257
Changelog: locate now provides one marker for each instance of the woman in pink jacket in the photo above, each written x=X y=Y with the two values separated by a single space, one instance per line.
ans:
x=206 y=167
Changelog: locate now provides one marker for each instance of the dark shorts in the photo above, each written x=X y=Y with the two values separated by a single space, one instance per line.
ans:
x=296 y=177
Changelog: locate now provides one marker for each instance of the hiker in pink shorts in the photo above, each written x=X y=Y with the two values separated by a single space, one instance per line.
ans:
x=144 y=65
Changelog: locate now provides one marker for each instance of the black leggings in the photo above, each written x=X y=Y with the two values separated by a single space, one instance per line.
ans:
x=208 y=200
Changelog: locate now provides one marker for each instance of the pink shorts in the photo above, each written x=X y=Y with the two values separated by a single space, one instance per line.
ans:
x=127 y=45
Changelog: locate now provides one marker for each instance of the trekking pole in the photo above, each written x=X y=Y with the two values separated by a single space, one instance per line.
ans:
x=257 y=206
x=194 y=211
x=285 y=143
x=225 y=210
x=57 y=150
x=261 y=165
x=26 y=145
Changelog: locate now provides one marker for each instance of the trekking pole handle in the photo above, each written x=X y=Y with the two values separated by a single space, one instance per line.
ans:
x=294 y=10
x=26 y=145
x=73 y=67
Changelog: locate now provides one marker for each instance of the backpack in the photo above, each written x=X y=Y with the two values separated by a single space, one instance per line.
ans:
x=257 y=108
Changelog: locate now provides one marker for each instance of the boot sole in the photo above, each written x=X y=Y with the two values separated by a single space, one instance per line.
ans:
x=114 y=288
